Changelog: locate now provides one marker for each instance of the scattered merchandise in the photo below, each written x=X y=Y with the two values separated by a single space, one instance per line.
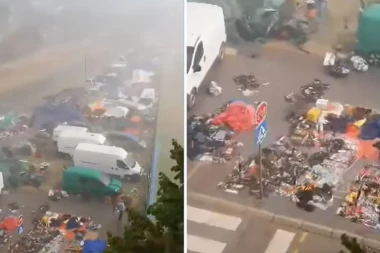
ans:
x=209 y=139
x=214 y=89
x=50 y=232
x=56 y=195
x=246 y=82
x=362 y=203
x=309 y=163
x=309 y=93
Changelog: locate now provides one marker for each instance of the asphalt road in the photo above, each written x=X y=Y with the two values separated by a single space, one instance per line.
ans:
x=286 y=71
x=213 y=230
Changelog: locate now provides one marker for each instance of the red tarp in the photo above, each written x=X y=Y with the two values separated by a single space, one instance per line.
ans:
x=9 y=223
x=238 y=116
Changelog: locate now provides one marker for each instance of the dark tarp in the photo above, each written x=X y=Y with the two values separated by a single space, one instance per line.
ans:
x=51 y=115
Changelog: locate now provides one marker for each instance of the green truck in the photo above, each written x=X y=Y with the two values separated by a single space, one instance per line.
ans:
x=77 y=180
x=368 y=34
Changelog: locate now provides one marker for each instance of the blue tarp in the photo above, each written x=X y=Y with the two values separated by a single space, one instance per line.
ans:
x=370 y=130
x=51 y=115
x=96 y=246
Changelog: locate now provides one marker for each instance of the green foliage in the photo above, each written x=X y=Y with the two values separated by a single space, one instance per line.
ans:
x=352 y=245
x=166 y=233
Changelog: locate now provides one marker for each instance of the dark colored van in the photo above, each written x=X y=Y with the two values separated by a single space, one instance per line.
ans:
x=368 y=34
x=77 y=180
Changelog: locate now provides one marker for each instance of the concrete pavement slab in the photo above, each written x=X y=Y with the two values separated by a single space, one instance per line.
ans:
x=285 y=76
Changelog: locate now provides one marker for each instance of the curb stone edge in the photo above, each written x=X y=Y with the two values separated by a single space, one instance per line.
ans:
x=303 y=225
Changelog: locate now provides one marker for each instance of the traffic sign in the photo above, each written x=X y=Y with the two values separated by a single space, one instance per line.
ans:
x=20 y=221
x=261 y=113
x=20 y=229
x=261 y=132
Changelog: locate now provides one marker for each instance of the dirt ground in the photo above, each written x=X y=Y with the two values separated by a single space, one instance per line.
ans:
x=44 y=63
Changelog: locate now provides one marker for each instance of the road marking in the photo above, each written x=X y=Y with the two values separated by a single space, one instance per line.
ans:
x=203 y=245
x=230 y=51
x=296 y=251
x=280 y=242
x=213 y=219
x=303 y=237
x=194 y=170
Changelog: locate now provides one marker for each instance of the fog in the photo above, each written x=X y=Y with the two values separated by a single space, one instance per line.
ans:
x=49 y=45
x=37 y=23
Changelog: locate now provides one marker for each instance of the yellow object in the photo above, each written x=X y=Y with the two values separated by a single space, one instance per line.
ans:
x=351 y=197
x=313 y=114
x=360 y=123
x=45 y=220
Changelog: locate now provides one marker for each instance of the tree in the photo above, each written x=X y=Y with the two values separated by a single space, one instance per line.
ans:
x=166 y=233
x=352 y=245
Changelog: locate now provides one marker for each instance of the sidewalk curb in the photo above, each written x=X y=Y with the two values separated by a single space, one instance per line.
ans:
x=283 y=220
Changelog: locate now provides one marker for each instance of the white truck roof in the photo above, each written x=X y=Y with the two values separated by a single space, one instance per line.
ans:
x=100 y=138
x=200 y=18
x=93 y=148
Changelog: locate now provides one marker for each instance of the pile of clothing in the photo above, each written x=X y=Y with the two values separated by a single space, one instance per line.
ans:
x=362 y=204
x=211 y=137
x=207 y=142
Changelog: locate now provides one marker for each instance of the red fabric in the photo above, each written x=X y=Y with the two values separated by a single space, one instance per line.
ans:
x=238 y=116
x=9 y=224
x=130 y=131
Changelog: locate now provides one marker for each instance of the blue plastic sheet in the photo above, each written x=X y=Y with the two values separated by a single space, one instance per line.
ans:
x=370 y=130
x=96 y=246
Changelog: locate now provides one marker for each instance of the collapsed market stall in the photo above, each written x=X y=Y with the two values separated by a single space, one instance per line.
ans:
x=309 y=163
x=362 y=203
x=55 y=232
x=211 y=137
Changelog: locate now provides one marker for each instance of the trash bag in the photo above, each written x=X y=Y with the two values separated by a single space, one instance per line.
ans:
x=214 y=89
x=359 y=63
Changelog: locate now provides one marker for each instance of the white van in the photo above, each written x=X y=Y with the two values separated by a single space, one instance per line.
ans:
x=206 y=39
x=107 y=159
x=68 y=141
x=62 y=128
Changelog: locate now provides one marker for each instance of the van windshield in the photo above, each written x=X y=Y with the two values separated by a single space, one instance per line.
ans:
x=106 y=180
x=190 y=52
x=130 y=161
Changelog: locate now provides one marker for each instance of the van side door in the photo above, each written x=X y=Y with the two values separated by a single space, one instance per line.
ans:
x=199 y=66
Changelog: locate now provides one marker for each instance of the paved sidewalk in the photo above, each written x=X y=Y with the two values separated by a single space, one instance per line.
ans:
x=214 y=229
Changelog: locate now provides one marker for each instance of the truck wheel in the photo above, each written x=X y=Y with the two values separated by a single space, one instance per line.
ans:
x=374 y=59
x=191 y=99
x=221 y=51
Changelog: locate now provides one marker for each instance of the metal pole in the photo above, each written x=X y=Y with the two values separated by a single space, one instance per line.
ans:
x=261 y=173
x=85 y=68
